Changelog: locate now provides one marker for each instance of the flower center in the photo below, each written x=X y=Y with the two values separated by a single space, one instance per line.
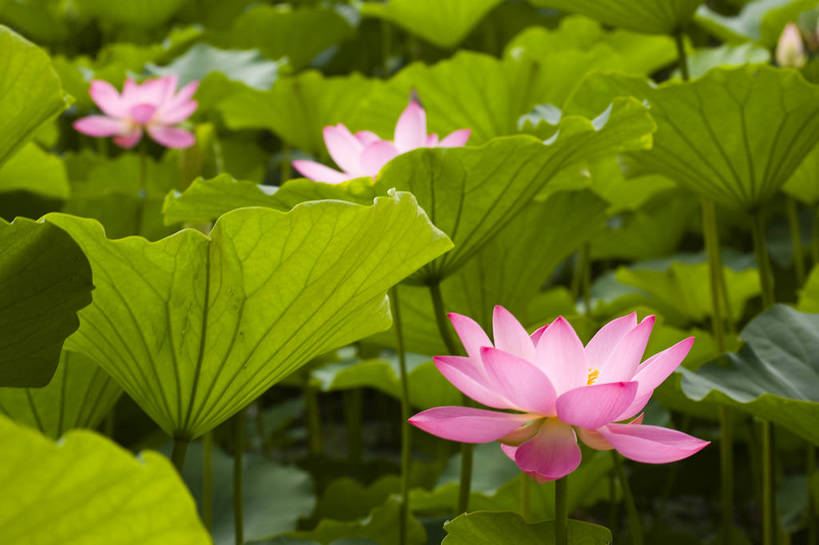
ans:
x=593 y=374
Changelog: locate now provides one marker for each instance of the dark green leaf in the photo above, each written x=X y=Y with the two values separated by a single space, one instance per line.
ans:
x=492 y=528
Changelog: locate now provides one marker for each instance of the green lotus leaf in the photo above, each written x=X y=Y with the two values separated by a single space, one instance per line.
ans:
x=809 y=296
x=759 y=20
x=471 y=193
x=509 y=270
x=264 y=514
x=44 y=280
x=735 y=135
x=30 y=90
x=297 y=108
x=775 y=376
x=282 y=32
x=649 y=16
x=79 y=395
x=802 y=185
x=135 y=13
x=87 y=490
x=682 y=291
x=33 y=170
x=491 y=528
x=444 y=23
x=194 y=328
x=205 y=200
x=381 y=526
x=626 y=51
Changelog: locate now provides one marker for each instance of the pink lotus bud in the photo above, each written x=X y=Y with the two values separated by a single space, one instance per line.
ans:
x=790 y=51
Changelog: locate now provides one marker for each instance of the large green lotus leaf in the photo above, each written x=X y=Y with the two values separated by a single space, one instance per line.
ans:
x=735 y=135
x=471 y=193
x=491 y=528
x=649 y=16
x=427 y=387
x=628 y=51
x=758 y=21
x=682 y=294
x=775 y=376
x=86 y=490
x=135 y=13
x=809 y=296
x=280 y=31
x=444 y=23
x=264 y=513
x=201 y=60
x=802 y=185
x=297 y=108
x=606 y=178
x=509 y=270
x=381 y=526
x=32 y=169
x=44 y=280
x=79 y=396
x=30 y=91
x=205 y=200
x=194 y=328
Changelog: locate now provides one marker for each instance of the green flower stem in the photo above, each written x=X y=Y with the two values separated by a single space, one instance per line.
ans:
x=796 y=240
x=109 y=424
x=406 y=431
x=767 y=485
x=285 y=162
x=207 y=480
x=525 y=497
x=581 y=277
x=561 y=512
x=238 y=455
x=353 y=402
x=614 y=504
x=634 y=524
x=726 y=444
x=452 y=348
x=810 y=470
x=682 y=58
x=311 y=404
x=143 y=187
x=762 y=260
x=386 y=46
x=180 y=449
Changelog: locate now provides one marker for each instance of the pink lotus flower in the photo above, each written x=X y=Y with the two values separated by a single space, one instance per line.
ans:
x=153 y=106
x=364 y=153
x=558 y=390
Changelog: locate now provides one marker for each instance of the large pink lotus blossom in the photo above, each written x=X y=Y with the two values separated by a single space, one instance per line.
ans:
x=557 y=390
x=364 y=153
x=154 y=106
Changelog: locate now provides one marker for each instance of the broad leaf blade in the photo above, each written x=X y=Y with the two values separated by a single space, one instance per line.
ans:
x=44 y=280
x=88 y=490
x=650 y=16
x=489 y=528
x=30 y=90
x=195 y=328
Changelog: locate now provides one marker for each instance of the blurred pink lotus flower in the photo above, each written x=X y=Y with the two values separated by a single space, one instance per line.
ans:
x=558 y=390
x=364 y=153
x=154 y=106
x=790 y=51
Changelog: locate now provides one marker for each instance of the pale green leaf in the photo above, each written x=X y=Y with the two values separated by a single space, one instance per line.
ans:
x=809 y=295
x=491 y=528
x=444 y=23
x=86 y=490
x=803 y=184
x=194 y=327
x=136 y=13
x=704 y=59
x=32 y=169
x=759 y=21
x=79 y=396
x=30 y=90
x=735 y=135
x=650 y=16
x=44 y=280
